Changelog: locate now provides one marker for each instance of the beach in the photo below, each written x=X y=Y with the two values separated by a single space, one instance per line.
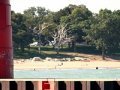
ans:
x=34 y=65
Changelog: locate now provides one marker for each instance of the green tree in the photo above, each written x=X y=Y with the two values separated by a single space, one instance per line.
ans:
x=35 y=19
x=63 y=12
x=104 y=32
x=77 y=21
x=22 y=36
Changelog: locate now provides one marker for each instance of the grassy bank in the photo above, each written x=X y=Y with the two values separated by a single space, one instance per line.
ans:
x=47 y=51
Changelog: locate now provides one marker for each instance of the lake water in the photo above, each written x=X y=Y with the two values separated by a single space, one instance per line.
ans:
x=69 y=73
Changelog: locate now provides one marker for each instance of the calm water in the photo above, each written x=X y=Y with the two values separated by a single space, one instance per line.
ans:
x=69 y=73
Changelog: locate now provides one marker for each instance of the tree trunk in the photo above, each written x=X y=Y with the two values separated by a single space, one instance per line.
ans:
x=53 y=47
x=61 y=46
x=57 y=50
x=28 y=47
x=39 y=44
x=74 y=46
x=103 y=53
x=39 y=49
x=22 y=48
x=69 y=45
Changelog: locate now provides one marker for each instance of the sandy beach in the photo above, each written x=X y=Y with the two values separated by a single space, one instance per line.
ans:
x=91 y=61
x=34 y=65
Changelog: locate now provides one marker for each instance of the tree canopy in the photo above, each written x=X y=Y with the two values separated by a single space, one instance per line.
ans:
x=101 y=30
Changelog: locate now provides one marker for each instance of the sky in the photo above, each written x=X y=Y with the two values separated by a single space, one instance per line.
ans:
x=56 y=5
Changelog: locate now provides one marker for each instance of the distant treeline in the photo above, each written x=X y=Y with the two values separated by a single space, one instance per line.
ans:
x=38 y=24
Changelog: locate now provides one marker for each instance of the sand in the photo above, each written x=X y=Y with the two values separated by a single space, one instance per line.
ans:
x=33 y=65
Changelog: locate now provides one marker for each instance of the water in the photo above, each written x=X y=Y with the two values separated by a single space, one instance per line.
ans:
x=69 y=73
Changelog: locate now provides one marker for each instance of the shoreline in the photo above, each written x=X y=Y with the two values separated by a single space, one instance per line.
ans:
x=38 y=69
x=38 y=65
